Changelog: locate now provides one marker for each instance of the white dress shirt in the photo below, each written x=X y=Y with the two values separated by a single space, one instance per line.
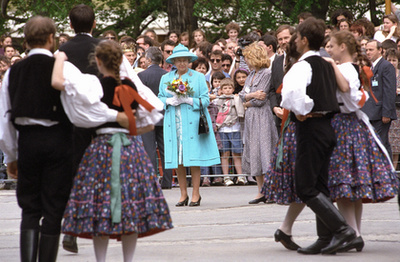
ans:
x=81 y=103
x=295 y=82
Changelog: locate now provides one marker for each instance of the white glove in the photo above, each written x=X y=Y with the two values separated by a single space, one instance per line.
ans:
x=186 y=100
x=173 y=101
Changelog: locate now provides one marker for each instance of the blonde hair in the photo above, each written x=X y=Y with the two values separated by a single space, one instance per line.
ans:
x=226 y=82
x=256 y=56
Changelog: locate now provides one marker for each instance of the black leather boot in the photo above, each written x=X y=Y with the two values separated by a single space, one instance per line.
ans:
x=69 y=243
x=324 y=238
x=333 y=220
x=48 y=248
x=29 y=239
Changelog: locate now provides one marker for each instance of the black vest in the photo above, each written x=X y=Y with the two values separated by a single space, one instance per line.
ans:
x=323 y=85
x=109 y=84
x=31 y=93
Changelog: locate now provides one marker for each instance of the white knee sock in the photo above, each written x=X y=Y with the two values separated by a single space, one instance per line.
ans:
x=100 y=248
x=128 y=246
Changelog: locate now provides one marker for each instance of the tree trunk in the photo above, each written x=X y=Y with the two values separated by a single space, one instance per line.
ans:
x=180 y=16
x=372 y=8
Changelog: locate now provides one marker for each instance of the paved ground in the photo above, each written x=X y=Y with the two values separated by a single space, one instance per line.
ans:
x=224 y=228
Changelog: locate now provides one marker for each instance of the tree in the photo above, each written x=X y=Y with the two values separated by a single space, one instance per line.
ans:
x=131 y=17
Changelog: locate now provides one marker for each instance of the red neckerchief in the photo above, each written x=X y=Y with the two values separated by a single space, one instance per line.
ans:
x=125 y=95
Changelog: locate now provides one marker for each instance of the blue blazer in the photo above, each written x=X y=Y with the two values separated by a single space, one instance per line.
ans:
x=383 y=85
x=198 y=150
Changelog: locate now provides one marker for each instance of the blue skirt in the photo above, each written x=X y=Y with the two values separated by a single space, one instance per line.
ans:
x=359 y=169
x=143 y=207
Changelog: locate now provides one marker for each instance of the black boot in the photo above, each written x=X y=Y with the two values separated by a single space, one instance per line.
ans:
x=48 y=248
x=69 y=243
x=29 y=239
x=324 y=238
x=333 y=220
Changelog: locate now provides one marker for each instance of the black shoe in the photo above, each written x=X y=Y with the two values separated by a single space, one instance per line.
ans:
x=29 y=240
x=346 y=235
x=357 y=243
x=69 y=243
x=314 y=248
x=166 y=187
x=258 y=200
x=286 y=240
x=195 y=204
x=333 y=221
x=48 y=248
x=183 y=203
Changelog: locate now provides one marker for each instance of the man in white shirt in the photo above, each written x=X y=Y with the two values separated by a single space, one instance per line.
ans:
x=310 y=93
x=40 y=152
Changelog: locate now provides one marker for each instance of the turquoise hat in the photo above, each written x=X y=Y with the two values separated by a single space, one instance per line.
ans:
x=181 y=51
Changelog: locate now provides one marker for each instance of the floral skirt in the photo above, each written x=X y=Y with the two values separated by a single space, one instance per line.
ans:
x=358 y=168
x=279 y=183
x=143 y=207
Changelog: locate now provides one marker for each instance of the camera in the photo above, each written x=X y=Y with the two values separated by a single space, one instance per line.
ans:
x=245 y=41
x=242 y=42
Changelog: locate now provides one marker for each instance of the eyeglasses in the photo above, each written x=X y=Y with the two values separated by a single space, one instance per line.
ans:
x=110 y=37
x=215 y=60
x=168 y=51
x=226 y=65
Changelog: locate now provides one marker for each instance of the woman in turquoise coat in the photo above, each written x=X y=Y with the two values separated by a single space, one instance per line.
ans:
x=183 y=146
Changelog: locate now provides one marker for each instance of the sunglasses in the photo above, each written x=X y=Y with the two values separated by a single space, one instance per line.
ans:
x=226 y=65
x=215 y=60
x=168 y=51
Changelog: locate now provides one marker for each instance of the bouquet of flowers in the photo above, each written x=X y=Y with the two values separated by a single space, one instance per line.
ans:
x=179 y=88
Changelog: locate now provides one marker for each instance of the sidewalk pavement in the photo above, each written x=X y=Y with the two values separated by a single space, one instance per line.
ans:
x=224 y=228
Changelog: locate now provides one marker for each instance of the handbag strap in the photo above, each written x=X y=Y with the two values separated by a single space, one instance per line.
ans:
x=201 y=107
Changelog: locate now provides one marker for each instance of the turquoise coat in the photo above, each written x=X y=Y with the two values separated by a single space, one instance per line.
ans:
x=198 y=150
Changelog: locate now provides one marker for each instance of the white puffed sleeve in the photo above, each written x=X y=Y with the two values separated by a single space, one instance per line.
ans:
x=143 y=117
x=82 y=99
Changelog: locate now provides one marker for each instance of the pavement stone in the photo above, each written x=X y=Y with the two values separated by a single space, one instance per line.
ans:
x=224 y=228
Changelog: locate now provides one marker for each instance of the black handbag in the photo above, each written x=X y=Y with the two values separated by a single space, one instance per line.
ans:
x=203 y=124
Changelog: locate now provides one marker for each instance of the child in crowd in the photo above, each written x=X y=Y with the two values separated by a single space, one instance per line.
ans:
x=215 y=83
x=115 y=193
x=184 y=39
x=230 y=108
x=213 y=111
x=198 y=36
x=213 y=93
x=232 y=29
x=239 y=78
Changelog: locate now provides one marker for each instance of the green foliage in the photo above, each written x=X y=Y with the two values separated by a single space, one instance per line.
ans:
x=131 y=17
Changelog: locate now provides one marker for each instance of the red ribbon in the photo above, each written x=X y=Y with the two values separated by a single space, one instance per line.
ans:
x=125 y=95
x=368 y=72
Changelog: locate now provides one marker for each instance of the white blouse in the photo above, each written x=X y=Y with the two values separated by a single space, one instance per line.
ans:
x=351 y=98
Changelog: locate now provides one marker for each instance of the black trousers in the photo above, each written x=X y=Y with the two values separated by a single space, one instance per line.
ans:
x=315 y=140
x=152 y=140
x=383 y=132
x=45 y=174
